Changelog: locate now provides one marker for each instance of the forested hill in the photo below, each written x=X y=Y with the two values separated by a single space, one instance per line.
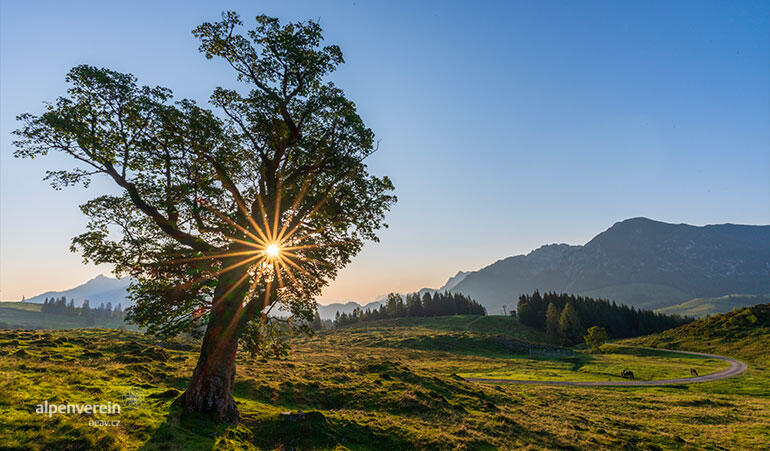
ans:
x=639 y=262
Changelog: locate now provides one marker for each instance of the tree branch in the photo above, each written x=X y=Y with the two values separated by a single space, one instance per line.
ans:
x=167 y=226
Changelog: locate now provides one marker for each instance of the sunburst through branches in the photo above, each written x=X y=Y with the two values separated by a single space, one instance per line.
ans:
x=271 y=247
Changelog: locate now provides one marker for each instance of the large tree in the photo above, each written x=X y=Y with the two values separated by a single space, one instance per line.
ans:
x=221 y=216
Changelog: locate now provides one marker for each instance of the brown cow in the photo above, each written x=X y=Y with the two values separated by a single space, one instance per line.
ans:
x=693 y=372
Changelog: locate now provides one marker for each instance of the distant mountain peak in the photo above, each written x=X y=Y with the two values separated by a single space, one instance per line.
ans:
x=101 y=288
x=453 y=281
x=639 y=219
x=637 y=261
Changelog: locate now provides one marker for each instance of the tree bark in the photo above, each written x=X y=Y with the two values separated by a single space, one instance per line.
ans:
x=210 y=391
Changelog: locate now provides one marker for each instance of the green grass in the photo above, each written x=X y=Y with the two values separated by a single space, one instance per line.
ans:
x=491 y=336
x=28 y=306
x=700 y=307
x=493 y=325
x=371 y=387
x=27 y=315
x=604 y=366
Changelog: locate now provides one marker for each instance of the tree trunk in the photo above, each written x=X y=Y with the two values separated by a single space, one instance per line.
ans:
x=210 y=390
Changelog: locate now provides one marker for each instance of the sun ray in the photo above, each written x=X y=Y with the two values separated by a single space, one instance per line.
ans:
x=235 y=224
x=312 y=232
x=253 y=223
x=247 y=243
x=329 y=194
x=311 y=246
x=302 y=257
x=277 y=212
x=257 y=278
x=212 y=256
x=304 y=246
x=288 y=260
x=278 y=273
x=272 y=248
x=230 y=290
x=263 y=214
x=291 y=275
x=218 y=272
x=267 y=296
x=297 y=200
x=242 y=305
x=317 y=207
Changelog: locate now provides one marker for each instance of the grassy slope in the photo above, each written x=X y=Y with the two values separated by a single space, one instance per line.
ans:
x=744 y=331
x=29 y=306
x=605 y=366
x=485 y=354
x=701 y=307
x=367 y=395
x=26 y=315
x=471 y=323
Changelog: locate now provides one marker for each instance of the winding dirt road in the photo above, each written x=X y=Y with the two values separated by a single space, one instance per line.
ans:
x=736 y=367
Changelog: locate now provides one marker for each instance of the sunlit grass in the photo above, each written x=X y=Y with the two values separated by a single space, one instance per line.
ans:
x=372 y=388
x=605 y=366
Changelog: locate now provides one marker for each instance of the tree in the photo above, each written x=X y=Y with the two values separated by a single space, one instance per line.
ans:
x=221 y=215
x=316 y=324
x=570 y=329
x=595 y=337
x=552 y=323
x=527 y=313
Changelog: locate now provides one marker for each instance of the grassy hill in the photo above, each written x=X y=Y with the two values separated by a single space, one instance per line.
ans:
x=26 y=315
x=744 y=331
x=701 y=307
x=366 y=387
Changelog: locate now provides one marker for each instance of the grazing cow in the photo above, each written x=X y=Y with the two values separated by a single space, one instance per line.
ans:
x=693 y=372
x=627 y=374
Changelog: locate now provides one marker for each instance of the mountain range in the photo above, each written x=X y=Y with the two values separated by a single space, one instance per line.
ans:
x=97 y=290
x=639 y=262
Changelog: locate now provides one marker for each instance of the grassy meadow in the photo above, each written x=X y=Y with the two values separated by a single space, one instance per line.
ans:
x=604 y=366
x=390 y=385
x=27 y=315
x=700 y=307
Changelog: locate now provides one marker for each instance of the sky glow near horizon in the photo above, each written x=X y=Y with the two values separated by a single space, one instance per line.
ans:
x=504 y=125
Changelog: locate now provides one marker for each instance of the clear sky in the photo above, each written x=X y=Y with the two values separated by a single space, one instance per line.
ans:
x=504 y=125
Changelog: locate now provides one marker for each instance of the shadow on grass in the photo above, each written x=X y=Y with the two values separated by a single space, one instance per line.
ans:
x=269 y=430
x=184 y=431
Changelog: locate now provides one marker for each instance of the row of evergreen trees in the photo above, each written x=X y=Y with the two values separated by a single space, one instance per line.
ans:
x=60 y=306
x=566 y=317
x=436 y=304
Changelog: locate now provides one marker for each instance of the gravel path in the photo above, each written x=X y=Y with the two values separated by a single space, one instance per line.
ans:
x=736 y=367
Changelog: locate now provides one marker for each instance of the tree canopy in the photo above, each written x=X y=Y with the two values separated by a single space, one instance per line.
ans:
x=221 y=214
x=595 y=337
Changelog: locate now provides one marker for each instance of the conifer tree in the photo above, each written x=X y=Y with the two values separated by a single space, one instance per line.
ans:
x=570 y=329
x=552 y=323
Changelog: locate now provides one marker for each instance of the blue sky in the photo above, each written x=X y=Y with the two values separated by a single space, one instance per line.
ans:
x=504 y=125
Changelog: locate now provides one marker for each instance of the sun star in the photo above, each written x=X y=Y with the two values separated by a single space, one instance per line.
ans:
x=272 y=250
